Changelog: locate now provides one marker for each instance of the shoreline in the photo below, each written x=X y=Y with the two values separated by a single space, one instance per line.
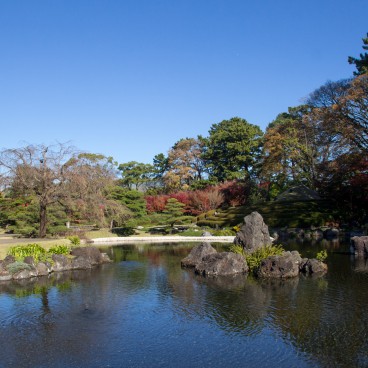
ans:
x=7 y=242
x=161 y=239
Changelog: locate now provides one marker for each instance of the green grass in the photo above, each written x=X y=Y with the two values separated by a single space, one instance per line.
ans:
x=101 y=233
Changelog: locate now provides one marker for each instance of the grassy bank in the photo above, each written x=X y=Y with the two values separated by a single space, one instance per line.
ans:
x=275 y=214
x=8 y=242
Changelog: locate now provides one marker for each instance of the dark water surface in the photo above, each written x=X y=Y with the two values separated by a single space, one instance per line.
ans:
x=145 y=311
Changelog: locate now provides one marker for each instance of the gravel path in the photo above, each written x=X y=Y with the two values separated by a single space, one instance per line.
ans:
x=163 y=239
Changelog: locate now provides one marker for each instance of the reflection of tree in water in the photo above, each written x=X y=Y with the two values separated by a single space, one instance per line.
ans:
x=240 y=304
x=323 y=317
x=326 y=321
x=40 y=329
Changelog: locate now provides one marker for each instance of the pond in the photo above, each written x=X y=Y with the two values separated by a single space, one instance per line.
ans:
x=143 y=310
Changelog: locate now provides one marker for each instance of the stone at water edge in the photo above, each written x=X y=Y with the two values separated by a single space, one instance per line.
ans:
x=222 y=264
x=281 y=266
x=43 y=269
x=359 y=246
x=313 y=265
x=92 y=254
x=197 y=254
x=61 y=263
x=81 y=263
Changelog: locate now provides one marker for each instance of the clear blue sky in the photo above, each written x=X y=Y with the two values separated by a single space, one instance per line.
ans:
x=129 y=78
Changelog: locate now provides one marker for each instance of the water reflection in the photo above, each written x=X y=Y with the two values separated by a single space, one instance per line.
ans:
x=145 y=311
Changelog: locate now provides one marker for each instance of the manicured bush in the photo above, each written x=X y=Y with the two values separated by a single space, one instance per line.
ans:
x=57 y=230
x=123 y=231
x=224 y=232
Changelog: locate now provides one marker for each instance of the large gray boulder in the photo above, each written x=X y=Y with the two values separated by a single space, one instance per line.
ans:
x=5 y=275
x=222 y=264
x=254 y=233
x=81 y=263
x=91 y=254
x=61 y=263
x=282 y=266
x=43 y=268
x=359 y=246
x=197 y=254
x=25 y=274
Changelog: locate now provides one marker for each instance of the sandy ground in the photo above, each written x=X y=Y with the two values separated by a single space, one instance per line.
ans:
x=163 y=239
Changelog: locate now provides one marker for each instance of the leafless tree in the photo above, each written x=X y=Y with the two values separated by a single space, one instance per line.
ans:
x=57 y=174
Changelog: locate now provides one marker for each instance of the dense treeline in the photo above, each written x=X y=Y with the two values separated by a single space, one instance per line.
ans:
x=322 y=144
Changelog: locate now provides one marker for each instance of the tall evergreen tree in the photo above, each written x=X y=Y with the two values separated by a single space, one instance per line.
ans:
x=361 y=64
x=232 y=149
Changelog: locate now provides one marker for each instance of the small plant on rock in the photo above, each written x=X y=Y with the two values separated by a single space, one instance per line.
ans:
x=255 y=258
x=17 y=266
x=322 y=255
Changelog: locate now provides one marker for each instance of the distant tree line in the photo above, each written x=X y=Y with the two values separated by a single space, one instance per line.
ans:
x=322 y=144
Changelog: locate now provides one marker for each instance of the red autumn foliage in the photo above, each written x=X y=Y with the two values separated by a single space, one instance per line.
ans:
x=156 y=203
x=198 y=201
x=235 y=193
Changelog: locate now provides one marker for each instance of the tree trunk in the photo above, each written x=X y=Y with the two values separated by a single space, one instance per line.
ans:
x=43 y=221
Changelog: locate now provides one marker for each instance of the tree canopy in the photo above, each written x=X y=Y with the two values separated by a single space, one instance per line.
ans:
x=59 y=175
x=232 y=149
x=361 y=64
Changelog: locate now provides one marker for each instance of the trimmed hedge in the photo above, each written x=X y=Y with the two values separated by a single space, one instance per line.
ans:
x=123 y=231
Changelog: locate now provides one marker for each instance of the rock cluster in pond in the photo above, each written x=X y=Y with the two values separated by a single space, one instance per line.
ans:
x=359 y=246
x=82 y=258
x=289 y=264
x=207 y=261
x=254 y=233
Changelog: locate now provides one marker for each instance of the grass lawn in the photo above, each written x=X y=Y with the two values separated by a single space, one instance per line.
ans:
x=275 y=214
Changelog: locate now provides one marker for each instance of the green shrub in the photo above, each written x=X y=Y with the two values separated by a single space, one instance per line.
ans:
x=17 y=266
x=123 y=231
x=255 y=258
x=59 y=249
x=30 y=250
x=191 y=232
x=224 y=232
x=26 y=231
x=74 y=239
x=57 y=230
x=322 y=255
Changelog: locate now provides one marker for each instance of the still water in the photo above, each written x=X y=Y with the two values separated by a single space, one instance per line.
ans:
x=145 y=311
